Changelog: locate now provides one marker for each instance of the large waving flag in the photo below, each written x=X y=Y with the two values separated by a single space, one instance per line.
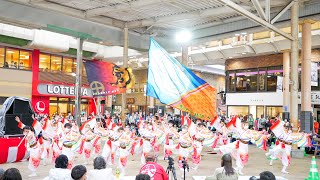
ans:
x=107 y=78
x=176 y=85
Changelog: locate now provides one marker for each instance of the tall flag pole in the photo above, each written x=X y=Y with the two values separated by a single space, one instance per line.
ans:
x=177 y=86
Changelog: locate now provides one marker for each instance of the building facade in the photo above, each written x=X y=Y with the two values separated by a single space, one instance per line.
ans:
x=254 y=86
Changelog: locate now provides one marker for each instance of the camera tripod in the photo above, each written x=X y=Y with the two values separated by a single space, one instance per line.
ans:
x=185 y=167
x=171 y=169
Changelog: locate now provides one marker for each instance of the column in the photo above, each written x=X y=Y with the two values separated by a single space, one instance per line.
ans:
x=78 y=81
x=125 y=65
x=184 y=58
x=294 y=86
x=286 y=82
x=306 y=114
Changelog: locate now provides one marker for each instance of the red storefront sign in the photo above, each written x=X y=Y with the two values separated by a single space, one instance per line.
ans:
x=41 y=104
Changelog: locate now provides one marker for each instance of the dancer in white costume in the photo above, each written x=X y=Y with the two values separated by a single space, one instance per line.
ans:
x=283 y=147
x=88 y=144
x=147 y=138
x=184 y=147
x=201 y=134
x=69 y=138
x=170 y=134
x=239 y=148
x=124 y=149
x=32 y=146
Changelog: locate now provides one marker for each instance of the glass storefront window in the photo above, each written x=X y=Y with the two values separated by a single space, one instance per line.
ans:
x=25 y=60
x=56 y=63
x=12 y=58
x=274 y=111
x=67 y=65
x=262 y=79
x=44 y=63
x=84 y=72
x=231 y=81
x=238 y=110
x=272 y=75
x=246 y=80
x=2 y=63
x=260 y=111
x=74 y=67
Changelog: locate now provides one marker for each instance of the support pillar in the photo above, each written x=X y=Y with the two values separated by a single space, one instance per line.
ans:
x=78 y=81
x=306 y=121
x=286 y=84
x=294 y=86
x=125 y=65
x=184 y=58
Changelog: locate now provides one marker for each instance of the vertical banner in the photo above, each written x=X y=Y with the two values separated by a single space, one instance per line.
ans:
x=279 y=83
x=314 y=74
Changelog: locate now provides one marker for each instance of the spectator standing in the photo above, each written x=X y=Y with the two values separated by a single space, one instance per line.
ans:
x=154 y=170
x=226 y=171
x=315 y=126
x=250 y=121
x=79 y=172
x=262 y=123
x=12 y=174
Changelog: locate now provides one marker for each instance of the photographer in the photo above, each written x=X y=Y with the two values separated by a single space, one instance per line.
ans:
x=154 y=170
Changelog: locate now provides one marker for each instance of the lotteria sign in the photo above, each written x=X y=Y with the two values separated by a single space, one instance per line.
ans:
x=62 y=90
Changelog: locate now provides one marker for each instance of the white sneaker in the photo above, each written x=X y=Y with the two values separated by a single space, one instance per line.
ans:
x=267 y=154
x=284 y=170
x=44 y=163
x=34 y=174
x=240 y=173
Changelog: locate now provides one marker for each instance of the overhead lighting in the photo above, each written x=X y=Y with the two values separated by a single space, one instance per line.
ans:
x=10 y=52
x=230 y=57
x=55 y=60
x=183 y=36
x=244 y=33
x=73 y=74
x=244 y=53
x=237 y=34
x=43 y=58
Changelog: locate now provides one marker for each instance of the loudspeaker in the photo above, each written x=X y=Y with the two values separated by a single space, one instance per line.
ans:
x=21 y=107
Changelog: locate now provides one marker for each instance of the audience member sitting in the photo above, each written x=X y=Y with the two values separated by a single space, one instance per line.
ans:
x=100 y=171
x=267 y=175
x=12 y=174
x=158 y=172
x=142 y=177
x=60 y=172
x=79 y=172
x=226 y=171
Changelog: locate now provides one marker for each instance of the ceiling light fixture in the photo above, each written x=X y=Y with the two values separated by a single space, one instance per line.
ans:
x=183 y=36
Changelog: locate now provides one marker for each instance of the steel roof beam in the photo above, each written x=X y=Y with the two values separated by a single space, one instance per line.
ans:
x=254 y=18
x=107 y=9
x=259 y=9
x=285 y=9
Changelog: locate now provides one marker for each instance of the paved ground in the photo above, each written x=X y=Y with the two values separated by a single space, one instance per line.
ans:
x=299 y=169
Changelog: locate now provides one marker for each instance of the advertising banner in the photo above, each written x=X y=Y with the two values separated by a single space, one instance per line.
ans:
x=314 y=74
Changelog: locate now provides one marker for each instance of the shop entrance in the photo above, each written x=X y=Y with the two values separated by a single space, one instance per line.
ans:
x=65 y=105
